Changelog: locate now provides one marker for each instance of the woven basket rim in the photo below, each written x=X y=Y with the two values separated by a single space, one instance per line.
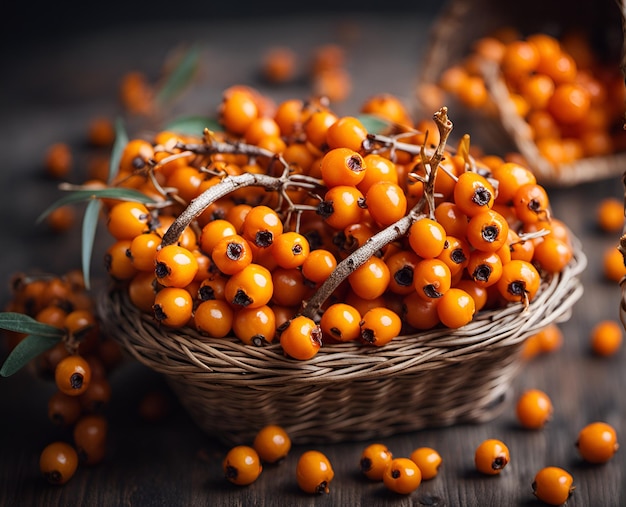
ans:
x=187 y=352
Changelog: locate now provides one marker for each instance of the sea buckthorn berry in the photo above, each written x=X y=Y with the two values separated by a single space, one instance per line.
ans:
x=610 y=215
x=484 y=268
x=533 y=409
x=379 y=326
x=72 y=375
x=90 y=437
x=511 y=176
x=428 y=460
x=141 y=290
x=231 y=254
x=401 y=266
x=63 y=410
x=473 y=193
x=553 y=485
x=301 y=338
x=272 y=443
x=318 y=265
x=491 y=456
x=520 y=281
x=117 y=261
x=613 y=265
x=597 y=442
x=175 y=266
x=261 y=128
x=342 y=166
x=279 y=64
x=61 y=219
x=386 y=202
x=255 y=326
x=427 y=238
x=237 y=111
x=431 y=278
x=371 y=279
x=456 y=308
x=341 y=322
x=552 y=254
x=379 y=168
x=172 y=307
x=531 y=203
x=389 y=107
x=343 y=205
x=520 y=58
x=58 y=462
x=314 y=472
x=606 y=338
x=143 y=249
x=452 y=219
x=456 y=254
x=290 y=249
x=473 y=94
x=550 y=338
x=402 y=476
x=569 y=103
x=374 y=460
x=58 y=160
x=478 y=293
x=537 y=90
x=487 y=231
x=214 y=318
x=261 y=225
x=420 y=313
x=213 y=231
x=289 y=116
x=290 y=287
x=128 y=219
x=242 y=465
x=251 y=287
x=316 y=127
x=97 y=396
x=346 y=132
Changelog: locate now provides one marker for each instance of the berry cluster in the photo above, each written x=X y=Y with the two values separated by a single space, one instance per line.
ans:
x=299 y=225
x=79 y=364
x=569 y=97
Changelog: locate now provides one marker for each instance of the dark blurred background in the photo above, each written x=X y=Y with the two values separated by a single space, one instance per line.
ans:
x=25 y=23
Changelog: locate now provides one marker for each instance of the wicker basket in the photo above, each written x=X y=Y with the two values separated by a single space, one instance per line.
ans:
x=347 y=391
x=465 y=21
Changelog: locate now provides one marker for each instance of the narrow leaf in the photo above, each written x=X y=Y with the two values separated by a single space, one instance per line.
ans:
x=13 y=321
x=26 y=350
x=90 y=224
x=121 y=140
x=374 y=124
x=126 y=194
x=180 y=77
x=193 y=125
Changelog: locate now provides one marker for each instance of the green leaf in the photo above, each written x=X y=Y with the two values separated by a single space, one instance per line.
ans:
x=20 y=323
x=121 y=140
x=180 y=77
x=26 y=350
x=90 y=224
x=193 y=125
x=126 y=194
x=374 y=124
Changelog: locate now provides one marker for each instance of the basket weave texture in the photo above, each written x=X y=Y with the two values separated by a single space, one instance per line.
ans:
x=347 y=391
x=465 y=21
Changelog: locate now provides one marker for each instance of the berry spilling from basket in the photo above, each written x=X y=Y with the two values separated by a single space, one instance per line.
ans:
x=291 y=224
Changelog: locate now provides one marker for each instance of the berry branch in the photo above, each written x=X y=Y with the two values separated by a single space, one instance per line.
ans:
x=392 y=232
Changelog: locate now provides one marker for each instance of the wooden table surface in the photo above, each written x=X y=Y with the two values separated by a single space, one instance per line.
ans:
x=50 y=93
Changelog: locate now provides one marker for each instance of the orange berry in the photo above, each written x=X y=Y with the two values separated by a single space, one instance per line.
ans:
x=606 y=337
x=597 y=442
x=533 y=409
x=610 y=215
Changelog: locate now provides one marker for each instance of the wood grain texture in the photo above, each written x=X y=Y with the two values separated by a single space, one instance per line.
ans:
x=51 y=95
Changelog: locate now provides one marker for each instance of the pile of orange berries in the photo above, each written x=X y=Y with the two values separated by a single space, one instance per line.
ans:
x=483 y=234
x=79 y=364
x=572 y=101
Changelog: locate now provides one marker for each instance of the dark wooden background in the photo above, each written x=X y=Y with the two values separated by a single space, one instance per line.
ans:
x=53 y=85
